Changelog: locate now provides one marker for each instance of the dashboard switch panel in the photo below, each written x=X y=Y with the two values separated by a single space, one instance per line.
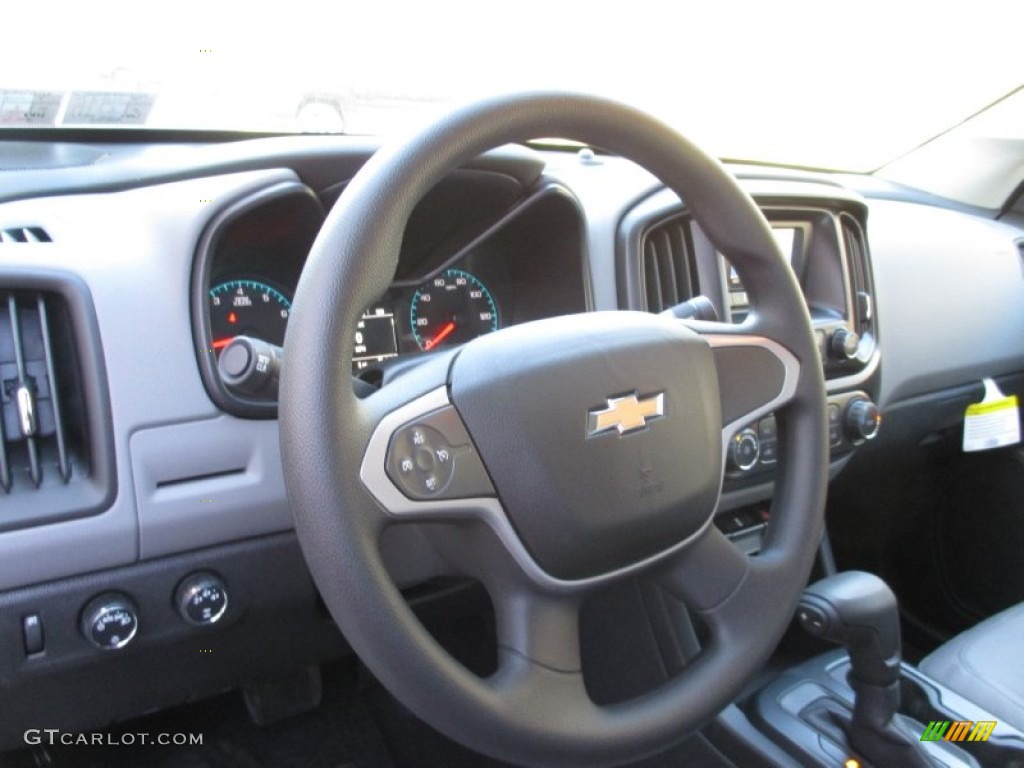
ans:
x=434 y=458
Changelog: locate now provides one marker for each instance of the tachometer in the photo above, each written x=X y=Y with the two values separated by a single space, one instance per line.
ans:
x=250 y=308
x=453 y=308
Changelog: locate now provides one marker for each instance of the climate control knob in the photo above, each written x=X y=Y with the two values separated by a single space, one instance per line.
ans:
x=110 y=621
x=201 y=599
x=862 y=420
x=843 y=344
x=744 y=450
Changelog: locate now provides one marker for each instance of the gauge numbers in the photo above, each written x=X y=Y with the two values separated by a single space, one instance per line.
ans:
x=247 y=308
x=453 y=308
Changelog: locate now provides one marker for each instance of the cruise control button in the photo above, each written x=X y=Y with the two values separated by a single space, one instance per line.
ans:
x=769 y=451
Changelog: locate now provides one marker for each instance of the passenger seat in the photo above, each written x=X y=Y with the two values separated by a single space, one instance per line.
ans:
x=985 y=665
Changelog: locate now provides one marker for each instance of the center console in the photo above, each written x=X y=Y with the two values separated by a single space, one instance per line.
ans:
x=862 y=706
x=807 y=711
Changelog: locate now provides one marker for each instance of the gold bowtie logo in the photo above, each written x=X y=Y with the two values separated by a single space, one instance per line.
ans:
x=625 y=414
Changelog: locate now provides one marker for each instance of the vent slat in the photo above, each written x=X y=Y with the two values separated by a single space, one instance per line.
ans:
x=24 y=235
x=666 y=265
x=667 y=268
x=856 y=257
x=63 y=460
x=652 y=273
x=23 y=395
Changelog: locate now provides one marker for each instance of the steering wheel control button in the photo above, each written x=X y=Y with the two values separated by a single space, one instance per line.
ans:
x=863 y=420
x=201 y=599
x=744 y=450
x=110 y=621
x=433 y=458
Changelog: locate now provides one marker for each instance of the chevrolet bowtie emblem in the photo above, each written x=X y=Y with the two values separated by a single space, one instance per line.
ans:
x=626 y=414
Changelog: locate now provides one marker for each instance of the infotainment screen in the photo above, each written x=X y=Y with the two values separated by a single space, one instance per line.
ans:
x=786 y=238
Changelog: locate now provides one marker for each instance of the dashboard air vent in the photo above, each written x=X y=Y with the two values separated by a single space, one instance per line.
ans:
x=56 y=443
x=24 y=235
x=34 y=441
x=667 y=276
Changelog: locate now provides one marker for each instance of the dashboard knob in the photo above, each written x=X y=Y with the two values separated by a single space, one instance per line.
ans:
x=843 y=344
x=744 y=450
x=110 y=621
x=201 y=599
x=862 y=420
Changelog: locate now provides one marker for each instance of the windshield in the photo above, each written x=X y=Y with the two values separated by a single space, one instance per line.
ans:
x=828 y=85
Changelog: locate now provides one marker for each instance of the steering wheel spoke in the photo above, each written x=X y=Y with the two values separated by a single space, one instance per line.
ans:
x=420 y=463
x=706 y=572
x=540 y=628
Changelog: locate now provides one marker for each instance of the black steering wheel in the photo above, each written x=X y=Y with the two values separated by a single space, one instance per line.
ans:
x=551 y=458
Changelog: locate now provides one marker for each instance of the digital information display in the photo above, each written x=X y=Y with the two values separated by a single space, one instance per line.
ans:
x=375 y=338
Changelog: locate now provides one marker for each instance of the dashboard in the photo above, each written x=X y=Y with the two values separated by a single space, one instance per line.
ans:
x=129 y=267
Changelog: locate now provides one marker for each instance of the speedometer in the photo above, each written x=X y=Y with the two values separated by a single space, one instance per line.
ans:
x=453 y=308
x=250 y=308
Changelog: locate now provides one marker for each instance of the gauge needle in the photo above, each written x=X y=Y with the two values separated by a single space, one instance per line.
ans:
x=221 y=343
x=443 y=334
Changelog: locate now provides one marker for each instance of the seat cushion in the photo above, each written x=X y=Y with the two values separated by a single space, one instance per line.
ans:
x=985 y=665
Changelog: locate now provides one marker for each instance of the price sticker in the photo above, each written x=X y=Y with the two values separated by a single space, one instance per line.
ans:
x=992 y=423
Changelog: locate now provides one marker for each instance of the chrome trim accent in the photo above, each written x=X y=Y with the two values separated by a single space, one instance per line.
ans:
x=485 y=509
x=26 y=411
x=625 y=414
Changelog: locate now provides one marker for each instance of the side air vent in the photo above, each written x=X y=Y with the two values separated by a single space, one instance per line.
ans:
x=55 y=450
x=667 y=274
x=24 y=235
x=861 y=284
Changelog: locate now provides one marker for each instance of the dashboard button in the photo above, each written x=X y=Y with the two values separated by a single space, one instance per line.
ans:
x=201 y=599
x=744 y=449
x=32 y=632
x=110 y=621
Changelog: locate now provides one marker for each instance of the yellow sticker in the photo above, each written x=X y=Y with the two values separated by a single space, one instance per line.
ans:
x=980 y=409
x=992 y=423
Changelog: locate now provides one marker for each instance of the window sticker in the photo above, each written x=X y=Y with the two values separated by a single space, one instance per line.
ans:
x=992 y=423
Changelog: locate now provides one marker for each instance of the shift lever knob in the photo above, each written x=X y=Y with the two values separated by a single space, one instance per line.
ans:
x=859 y=611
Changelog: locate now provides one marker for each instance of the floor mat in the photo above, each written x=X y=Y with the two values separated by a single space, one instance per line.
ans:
x=340 y=733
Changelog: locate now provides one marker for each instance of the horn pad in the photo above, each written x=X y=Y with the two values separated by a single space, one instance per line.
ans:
x=601 y=432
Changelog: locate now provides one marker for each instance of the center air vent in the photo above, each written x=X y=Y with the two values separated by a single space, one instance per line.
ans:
x=667 y=273
x=54 y=418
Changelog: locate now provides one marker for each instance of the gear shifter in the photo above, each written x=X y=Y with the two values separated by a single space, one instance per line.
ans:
x=859 y=611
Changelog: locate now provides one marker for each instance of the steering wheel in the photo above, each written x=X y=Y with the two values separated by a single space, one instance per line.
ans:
x=552 y=458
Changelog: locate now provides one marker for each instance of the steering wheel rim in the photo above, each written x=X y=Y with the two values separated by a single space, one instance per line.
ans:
x=535 y=709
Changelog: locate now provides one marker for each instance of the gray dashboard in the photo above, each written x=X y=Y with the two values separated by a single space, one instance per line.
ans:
x=189 y=475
